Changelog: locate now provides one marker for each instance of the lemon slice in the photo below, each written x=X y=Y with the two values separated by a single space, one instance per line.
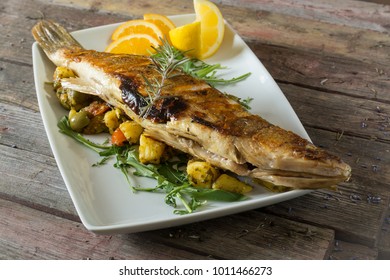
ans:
x=139 y=44
x=212 y=27
x=137 y=26
x=187 y=38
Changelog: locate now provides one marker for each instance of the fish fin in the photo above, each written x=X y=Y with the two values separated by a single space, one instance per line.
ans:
x=51 y=36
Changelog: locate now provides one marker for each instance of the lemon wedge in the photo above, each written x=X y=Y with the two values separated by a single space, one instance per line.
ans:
x=187 y=38
x=212 y=27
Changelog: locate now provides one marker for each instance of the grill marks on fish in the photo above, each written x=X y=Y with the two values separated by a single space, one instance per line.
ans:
x=130 y=95
x=161 y=111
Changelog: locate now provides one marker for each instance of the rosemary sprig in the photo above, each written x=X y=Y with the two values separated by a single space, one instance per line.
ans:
x=168 y=61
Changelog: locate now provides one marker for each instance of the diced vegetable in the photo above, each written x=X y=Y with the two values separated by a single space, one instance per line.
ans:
x=96 y=125
x=131 y=130
x=96 y=108
x=61 y=73
x=231 y=184
x=111 y=120
x=201 y=173
x=118 y=138
x=150 y=150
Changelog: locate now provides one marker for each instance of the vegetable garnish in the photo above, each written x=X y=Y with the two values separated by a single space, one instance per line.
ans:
x=193 y=66
x=170 y=176
x=167 y=60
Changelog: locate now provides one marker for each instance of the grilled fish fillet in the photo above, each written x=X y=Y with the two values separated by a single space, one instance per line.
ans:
x=194 y=117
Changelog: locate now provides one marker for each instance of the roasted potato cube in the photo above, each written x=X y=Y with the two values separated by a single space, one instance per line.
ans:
x=61 y=73
x=111 y=120
x=131 y=130
x=231 y=184
x=201 y=173
x=150 y=150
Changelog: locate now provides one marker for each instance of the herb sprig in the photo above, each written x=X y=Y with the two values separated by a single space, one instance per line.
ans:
x=167 y=56
x=170 y=176
x=166 y=61
x=169 y=62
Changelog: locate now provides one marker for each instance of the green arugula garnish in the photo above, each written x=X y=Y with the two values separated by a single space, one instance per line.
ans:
x=167 y=56
x=170 y=176
x=168 y=61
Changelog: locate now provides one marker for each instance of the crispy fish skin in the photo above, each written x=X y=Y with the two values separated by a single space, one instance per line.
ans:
x=194 y=117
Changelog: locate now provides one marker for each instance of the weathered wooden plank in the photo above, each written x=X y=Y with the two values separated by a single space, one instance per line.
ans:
x=348 y=12
x=384 y=240
x=22 y=128
x=282 y=30
x=250 y=235
x=369 y=159
x=17 y=88
x=355 y=214
x=26 y=233
x=350 y=251
x=341 y=113
x=336 y=74
x=34 y=180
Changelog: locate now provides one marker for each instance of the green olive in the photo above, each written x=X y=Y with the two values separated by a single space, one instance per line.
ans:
x=77 y=97
x=79 y=120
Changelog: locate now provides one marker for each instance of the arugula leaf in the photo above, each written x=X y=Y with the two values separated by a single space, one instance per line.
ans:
x=65 y=128
x=215 y=195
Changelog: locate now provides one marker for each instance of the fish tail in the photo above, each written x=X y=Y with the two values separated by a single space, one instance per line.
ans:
x=52 y=36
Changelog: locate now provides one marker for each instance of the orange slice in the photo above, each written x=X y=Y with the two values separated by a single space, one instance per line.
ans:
x=137 y=26
x=163 y=22
x=139 y=44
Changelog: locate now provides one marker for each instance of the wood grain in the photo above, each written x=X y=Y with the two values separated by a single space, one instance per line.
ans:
x=44 y=236
x=251 y=235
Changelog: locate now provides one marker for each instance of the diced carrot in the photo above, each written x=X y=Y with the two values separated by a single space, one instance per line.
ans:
x=118 y=138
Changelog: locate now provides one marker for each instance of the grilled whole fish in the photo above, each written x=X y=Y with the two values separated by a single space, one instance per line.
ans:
x=193 y=117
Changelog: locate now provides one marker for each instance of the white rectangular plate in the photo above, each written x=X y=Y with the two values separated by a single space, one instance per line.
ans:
x=102 y=196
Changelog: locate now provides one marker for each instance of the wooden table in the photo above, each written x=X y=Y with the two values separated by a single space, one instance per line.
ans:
x=331 y=59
